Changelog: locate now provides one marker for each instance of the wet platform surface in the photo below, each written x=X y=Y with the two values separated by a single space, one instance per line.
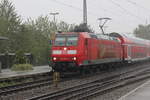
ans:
x=140 y=93
x=7 y=73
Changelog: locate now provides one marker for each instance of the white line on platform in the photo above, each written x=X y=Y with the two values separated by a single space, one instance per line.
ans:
x=124 y=97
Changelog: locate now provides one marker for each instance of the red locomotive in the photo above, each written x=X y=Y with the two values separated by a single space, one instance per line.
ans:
x=77 y=50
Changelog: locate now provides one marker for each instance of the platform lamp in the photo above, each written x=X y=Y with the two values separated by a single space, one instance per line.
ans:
x=54 y=20
x=54 y=16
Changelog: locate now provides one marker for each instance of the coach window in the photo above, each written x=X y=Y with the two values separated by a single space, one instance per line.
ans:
x=72 y=40
x=115 y=39
x=60 y=41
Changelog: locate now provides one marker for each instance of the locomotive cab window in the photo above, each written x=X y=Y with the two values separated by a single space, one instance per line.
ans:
x=72 y=41
x=66 y=40
x=60 y=41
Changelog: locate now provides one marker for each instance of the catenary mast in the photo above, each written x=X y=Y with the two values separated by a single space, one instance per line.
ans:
x=84 y=12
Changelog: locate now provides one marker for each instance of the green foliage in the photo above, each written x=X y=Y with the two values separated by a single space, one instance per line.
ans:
x=20 y=58
x=39 y=35
x=42 y=30
x=143 y=31
x=32 y=35
x=22 y=67
x=4 y=84
x=9 y=25
x=82 y=28
x=12 y=82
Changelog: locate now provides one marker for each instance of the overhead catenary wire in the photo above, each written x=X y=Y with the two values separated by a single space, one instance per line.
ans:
x=126 y=11
x=94 y=5
x=71 y=6
x=110 y=12
x=94 y=14
x=138 y=5
x=81 y=10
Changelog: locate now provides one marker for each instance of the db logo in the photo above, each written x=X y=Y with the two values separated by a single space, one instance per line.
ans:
x=64 y=52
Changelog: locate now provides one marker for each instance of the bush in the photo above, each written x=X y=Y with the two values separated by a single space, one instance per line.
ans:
x=22 y=67
x=20 y=58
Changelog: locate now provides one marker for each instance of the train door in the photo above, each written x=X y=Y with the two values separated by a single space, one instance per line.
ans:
x=129 y=53
x=86 y=48
x=123 y=49
x=89 y=47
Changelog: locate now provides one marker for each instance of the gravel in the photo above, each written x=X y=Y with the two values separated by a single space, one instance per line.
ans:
x=116 y=94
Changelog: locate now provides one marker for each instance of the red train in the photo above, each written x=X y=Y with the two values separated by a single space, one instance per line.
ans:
x=77 y=50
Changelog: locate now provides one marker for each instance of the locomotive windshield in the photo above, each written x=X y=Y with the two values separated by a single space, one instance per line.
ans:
x=71 y=41
x=60 y=41
x=66 y=40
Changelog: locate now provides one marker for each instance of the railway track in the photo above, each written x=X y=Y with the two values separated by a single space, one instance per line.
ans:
x=23 y=78
x=7 y=91
x=35 y=80
x=24 y=86
x=98 y=86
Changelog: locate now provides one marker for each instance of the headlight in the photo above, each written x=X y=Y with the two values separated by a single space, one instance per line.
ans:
x=65 y=48
x=54 y=58
x=72 y=52
x=74 y=58
x=57 y=52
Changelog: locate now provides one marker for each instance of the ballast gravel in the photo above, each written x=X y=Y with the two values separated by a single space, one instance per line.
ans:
x=118 y=93
x=113 y=95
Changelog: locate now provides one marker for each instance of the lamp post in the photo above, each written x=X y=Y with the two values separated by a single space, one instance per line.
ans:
x=54 y=14
x=52 y=35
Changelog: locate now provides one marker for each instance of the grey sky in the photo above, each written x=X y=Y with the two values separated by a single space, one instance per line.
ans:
x=125 y=14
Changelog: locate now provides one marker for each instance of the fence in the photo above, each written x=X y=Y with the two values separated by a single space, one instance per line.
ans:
x=7 y=60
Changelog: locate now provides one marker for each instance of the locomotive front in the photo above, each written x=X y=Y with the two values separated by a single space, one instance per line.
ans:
x=65 y=51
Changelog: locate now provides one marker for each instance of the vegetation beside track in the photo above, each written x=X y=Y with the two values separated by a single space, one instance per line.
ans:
x=22 y=67
x=13 y=82
x=5 y=82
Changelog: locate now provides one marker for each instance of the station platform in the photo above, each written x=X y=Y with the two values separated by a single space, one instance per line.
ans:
x=7 y=73
x=140 y=93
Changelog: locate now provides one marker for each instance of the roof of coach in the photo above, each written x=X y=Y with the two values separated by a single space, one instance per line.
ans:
x=91 y=35
x=131 y=38
x=83 y=34
x=103 y=37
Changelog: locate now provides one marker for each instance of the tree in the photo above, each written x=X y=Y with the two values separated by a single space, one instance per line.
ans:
x=82 y=28
x=143 y=31
x=9 y=24
x=41 y=30
x=20 y=58
x=32 y=35
x=38 y=41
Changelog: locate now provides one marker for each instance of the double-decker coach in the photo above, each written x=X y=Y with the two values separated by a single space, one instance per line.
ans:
x=134 y=49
